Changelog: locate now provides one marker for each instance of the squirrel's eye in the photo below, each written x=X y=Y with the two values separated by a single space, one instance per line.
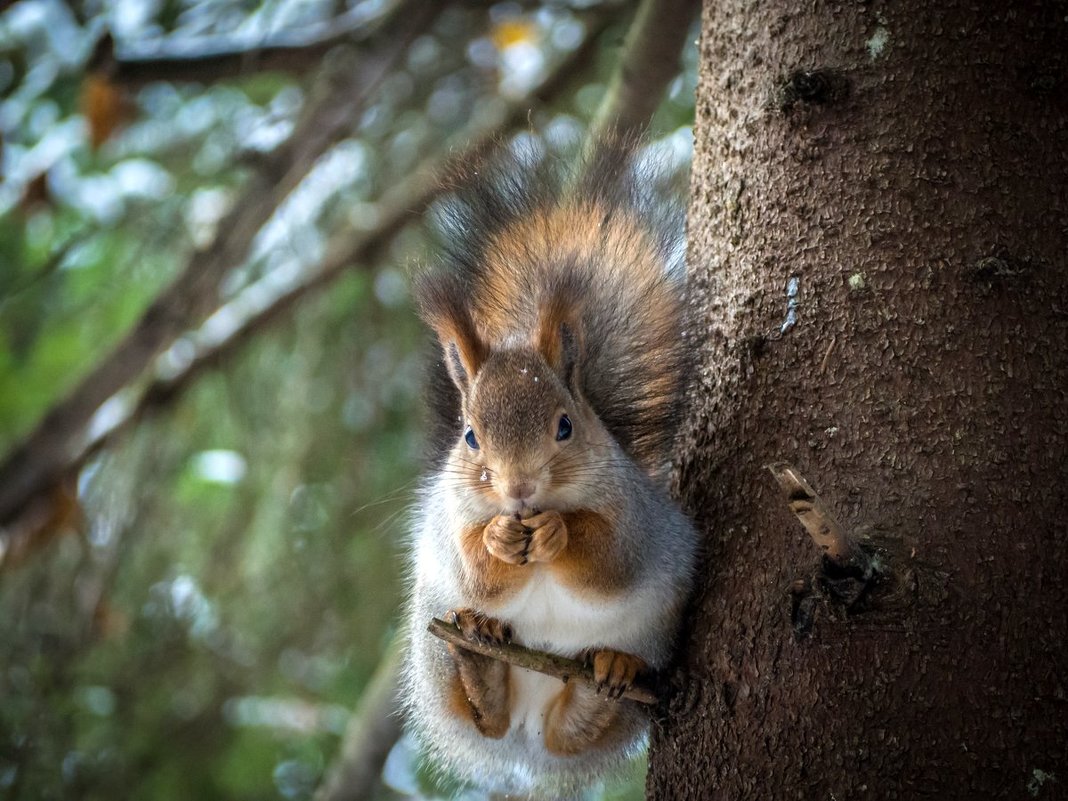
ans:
x=563 y=431
x=469 y=438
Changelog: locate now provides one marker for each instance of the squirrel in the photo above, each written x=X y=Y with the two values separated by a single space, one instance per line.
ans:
x=546 y=520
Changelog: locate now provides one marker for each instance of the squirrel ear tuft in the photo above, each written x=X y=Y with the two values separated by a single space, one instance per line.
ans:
x=570 y=348
x=559 y=338
x=464 y=354
x=443 y=304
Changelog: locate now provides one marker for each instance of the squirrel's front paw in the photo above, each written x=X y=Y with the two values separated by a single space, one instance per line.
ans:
x=614 y=671
x=507 y=539
x=548 y=537
x=477 y=626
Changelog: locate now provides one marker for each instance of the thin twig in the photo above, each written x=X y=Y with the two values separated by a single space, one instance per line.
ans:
x=814 y=515
x=550 y=664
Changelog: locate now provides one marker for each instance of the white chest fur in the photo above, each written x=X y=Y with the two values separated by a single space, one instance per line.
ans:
x=547 y=615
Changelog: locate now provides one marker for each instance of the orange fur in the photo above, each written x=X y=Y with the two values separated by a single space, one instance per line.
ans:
x=456 y=701
x=469 y=347
x=487 y=577
x=548 y=335
x=480 y=691
x=578 y=719
x=591 y=564
x=579 y=231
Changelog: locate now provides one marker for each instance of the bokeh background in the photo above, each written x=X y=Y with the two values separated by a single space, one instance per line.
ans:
x=218 y=580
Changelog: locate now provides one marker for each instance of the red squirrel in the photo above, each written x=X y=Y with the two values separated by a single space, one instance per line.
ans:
x=558 y=305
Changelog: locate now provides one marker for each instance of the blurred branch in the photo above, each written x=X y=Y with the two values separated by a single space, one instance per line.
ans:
x=47 y=517
x=372 y=731
x=46 y=454
x=400 y=205
x=48 y=269
x=215 y=58
x=649 y=61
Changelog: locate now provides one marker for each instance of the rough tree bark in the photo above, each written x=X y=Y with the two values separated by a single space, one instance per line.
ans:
x=907 y=164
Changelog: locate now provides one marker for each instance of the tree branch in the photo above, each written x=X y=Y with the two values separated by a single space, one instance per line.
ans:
x=400 y=205
x=550 y=664
x=650 y=59
x=45 y=455
x=372 y=731
x=207 y=59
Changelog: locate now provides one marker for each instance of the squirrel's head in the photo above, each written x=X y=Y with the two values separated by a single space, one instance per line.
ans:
x=527 y=437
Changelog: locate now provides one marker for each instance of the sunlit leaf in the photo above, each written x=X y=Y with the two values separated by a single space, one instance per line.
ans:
x=512 y=31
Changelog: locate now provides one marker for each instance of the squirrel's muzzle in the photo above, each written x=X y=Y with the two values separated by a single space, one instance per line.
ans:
x=520 y=490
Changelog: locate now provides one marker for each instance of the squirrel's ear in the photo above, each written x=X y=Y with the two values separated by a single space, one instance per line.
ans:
x=464 y=353
x=559 y=340
x=570 y=347
x=442 y=302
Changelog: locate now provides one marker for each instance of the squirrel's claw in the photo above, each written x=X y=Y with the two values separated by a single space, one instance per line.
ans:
x=614 y=671
x=477 y=626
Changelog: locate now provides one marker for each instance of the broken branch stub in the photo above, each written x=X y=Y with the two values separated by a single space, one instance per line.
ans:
x=835 y=542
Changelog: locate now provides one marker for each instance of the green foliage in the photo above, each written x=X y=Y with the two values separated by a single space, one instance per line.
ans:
x=222 y=597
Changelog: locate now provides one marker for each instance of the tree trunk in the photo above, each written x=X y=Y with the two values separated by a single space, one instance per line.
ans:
x=907 y=164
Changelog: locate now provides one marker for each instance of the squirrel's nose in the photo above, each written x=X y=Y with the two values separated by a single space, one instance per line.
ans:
x=520 y=490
